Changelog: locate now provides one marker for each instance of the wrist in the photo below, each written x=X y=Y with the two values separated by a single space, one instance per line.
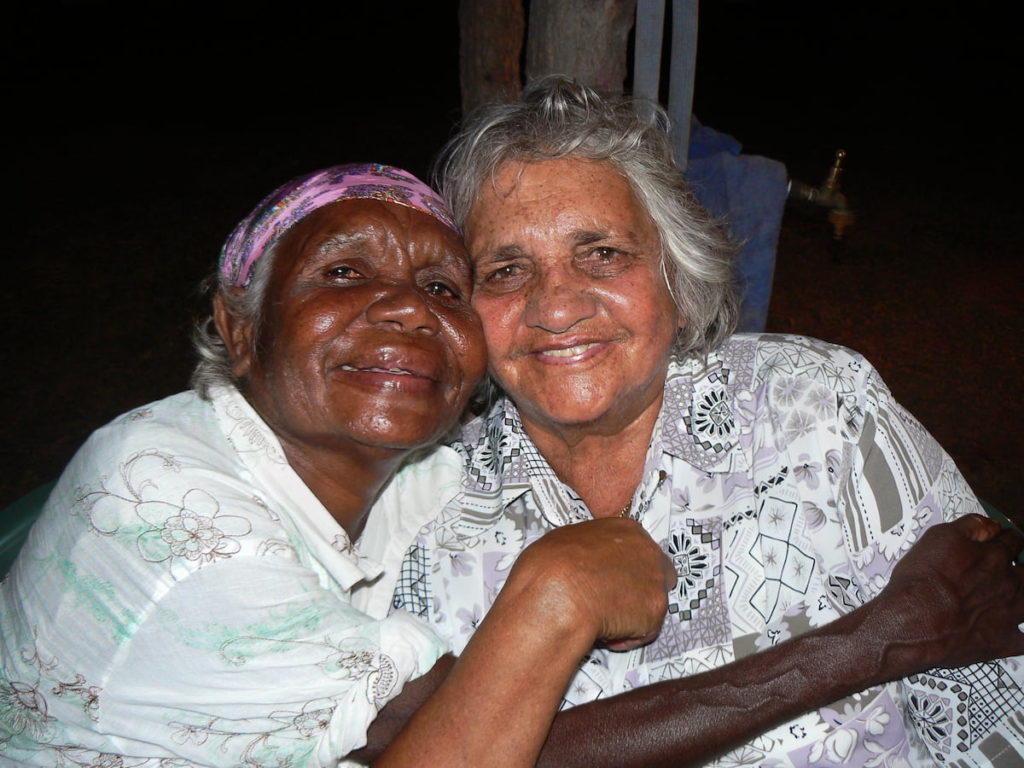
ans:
x=901 y=631
x=540 y=593
x=838 y=659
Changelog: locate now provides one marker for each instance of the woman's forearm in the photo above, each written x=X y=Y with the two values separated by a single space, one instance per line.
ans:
x=498 y=701
x=604 y=580
x=953 y=600
x=692 y=720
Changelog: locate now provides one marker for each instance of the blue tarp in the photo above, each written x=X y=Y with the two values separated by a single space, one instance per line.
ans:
x=749 y=193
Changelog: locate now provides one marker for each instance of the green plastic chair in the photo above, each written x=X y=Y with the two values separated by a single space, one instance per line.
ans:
x=15 y=522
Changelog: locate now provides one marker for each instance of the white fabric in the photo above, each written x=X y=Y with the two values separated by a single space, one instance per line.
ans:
x=184 y=595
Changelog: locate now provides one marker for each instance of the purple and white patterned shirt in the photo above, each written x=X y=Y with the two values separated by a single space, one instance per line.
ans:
x=785 y=483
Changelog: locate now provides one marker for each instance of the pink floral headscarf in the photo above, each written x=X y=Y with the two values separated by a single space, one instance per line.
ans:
x=288 y=204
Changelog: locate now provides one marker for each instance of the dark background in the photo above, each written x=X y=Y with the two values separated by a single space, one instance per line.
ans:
x=137 y=135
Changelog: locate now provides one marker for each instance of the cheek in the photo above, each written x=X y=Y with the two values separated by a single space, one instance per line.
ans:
x=309 y=325
x=500 y=318
x=322 y=323
x=464 y=337
x=472 y=349
x=645 y=303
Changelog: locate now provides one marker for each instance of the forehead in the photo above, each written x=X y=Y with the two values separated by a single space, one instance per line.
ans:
x=358 y=216
x=561 y=188
x=555 y=197
x=387 y=228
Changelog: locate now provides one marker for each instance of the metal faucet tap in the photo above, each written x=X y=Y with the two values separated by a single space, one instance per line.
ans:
x=828 y=195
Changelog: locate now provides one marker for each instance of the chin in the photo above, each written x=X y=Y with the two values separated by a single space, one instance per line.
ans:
x=403 y=435
x=569 y=411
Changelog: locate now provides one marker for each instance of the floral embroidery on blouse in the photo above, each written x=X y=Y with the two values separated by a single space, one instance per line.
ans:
x=185 y=600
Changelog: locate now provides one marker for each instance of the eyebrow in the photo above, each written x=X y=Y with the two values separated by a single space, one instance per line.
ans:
x=588 y=236
x=446 y=258
x=579 y=237
x=504 y=253
x=337 y=241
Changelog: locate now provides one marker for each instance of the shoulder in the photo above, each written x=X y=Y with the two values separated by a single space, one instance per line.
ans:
x=794 y=384
x=182 y=425
x=172 y=446
x=163 y=486
x=787 y=367
x=758 y=359
x=150 y=500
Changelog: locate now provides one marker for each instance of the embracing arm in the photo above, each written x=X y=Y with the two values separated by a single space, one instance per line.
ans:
x=692 y=719
x=497 y=702
x=952 y=600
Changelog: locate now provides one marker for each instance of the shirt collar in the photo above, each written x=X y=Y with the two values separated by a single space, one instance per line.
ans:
x=698 y=421
x=697 y=424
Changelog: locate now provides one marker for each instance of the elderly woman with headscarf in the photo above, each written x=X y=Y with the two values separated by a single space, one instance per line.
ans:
x=205 y=585
x=777 y=472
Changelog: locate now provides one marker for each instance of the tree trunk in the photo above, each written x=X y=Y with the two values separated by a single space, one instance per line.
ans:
x=584 y=39
x=491 y=33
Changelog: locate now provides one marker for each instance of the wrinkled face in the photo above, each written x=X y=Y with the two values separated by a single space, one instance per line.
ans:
x=368 y=335
x=567 y=269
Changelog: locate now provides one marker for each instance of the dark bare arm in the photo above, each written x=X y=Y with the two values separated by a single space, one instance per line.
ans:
x=953 y=600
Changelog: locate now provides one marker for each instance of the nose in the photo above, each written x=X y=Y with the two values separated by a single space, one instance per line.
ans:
x=556 y=303
x=403 y=308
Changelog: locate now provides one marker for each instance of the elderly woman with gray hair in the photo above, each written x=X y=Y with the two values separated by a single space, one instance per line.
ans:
x=207 y=585
x=827 y=549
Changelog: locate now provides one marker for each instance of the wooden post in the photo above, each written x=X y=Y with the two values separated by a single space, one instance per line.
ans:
x=491 y=43
x=584 y=39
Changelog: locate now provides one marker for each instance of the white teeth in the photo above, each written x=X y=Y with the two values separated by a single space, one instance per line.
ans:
x=570 y=351
x=395 y=371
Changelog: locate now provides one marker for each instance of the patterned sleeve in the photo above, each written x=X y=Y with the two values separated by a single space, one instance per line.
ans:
x=899 y=483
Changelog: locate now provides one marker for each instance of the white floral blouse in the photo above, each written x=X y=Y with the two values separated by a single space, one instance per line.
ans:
x=186 y=600
x=785 y=483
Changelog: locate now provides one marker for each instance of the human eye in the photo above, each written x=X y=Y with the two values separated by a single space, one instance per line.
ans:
x=445 y=282
x=603 y=260
x=605 y=254
x=345 y=272
x=443 y=289
x=501 y=277
x=504 y=272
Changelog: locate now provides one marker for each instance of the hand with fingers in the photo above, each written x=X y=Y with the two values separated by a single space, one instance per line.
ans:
x=956 y=597
x=607 y=574
x=598 y=581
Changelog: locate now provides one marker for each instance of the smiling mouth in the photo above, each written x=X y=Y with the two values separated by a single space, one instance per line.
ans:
x=579 y=349
x=393 y=371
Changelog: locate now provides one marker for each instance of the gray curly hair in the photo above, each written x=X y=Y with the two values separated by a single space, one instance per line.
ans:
x=557 y=118
x=213 y=368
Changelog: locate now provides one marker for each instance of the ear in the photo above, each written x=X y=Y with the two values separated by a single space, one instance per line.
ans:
x=238 y=336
